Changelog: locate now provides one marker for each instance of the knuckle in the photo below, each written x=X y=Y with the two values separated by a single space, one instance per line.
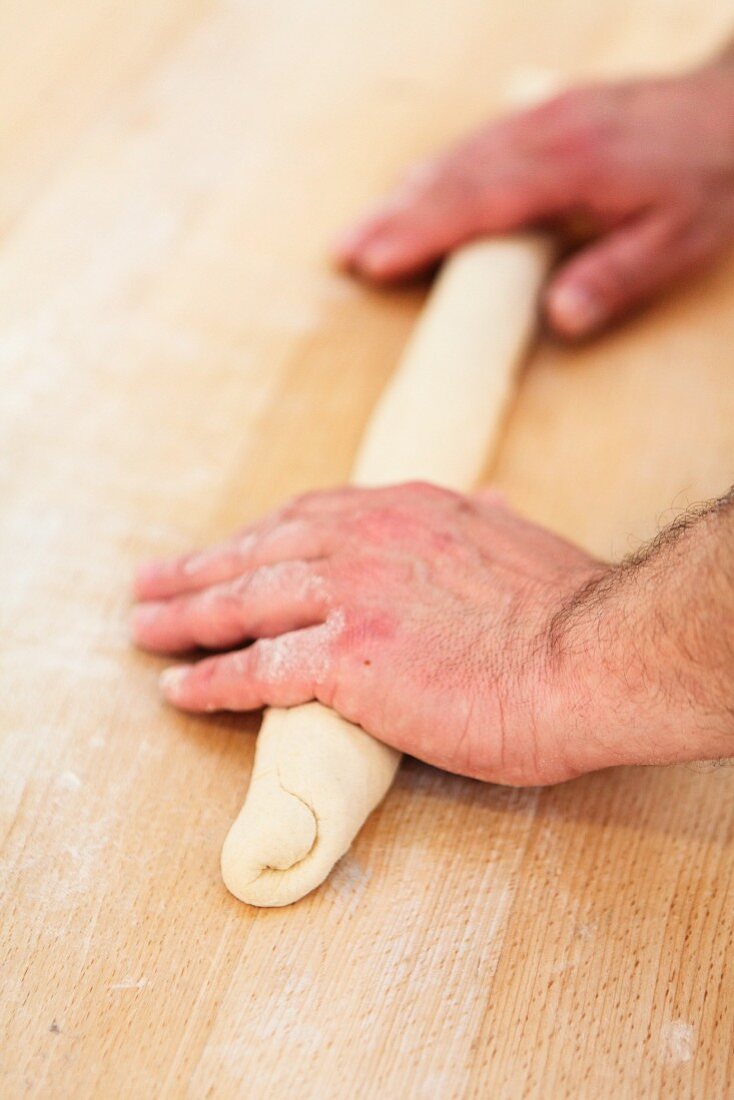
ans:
x=457 y=178
x=246 y=542
x=459 y=194
x=286 y=514
x=201 y=675
x=226 y=593
x=361 y=630
x=389 y=522
x=302 y=502
x=279 y=577
x=370 y=523
x=572 y=125
x=297 y=504
x=243 y=586
x=272 y=660
x=288 y=527
x=418 y=179
x=189 y=563
x=426 y=490
x=614 y=278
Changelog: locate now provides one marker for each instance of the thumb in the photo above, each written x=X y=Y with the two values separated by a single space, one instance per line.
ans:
x=623 y=270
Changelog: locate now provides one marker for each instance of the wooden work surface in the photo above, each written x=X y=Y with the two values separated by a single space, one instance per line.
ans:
x=175 y=358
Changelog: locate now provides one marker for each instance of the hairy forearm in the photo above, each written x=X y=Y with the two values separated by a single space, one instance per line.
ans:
x=646 y=650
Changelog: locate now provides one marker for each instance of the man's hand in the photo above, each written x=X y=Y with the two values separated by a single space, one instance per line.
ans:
x=646 y=167
x=446 y=626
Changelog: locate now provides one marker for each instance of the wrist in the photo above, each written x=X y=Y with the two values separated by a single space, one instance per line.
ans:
x=593 y=677
x=639 y=667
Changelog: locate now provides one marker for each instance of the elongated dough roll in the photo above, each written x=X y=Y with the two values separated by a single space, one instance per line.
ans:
x=317 y=777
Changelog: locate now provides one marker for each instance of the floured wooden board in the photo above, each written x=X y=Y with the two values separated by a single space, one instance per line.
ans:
x=176 y=357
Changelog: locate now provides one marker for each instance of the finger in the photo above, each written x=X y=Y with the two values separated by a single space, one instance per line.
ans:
x=273 y=541
x=263 y=602
x=420 y=225
x=494 y=183
x=623 y=270
x=284 y=671
x=308 y=528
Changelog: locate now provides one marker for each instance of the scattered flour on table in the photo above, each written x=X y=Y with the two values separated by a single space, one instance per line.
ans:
x=70 y=781
x=129 y=983
x=349 y=879
x=678 y=1038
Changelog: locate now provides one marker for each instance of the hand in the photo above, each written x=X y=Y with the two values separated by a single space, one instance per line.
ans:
x=453 y=629
x=419 y=614
x=648 y=166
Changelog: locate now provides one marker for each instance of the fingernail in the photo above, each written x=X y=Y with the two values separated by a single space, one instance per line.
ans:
x=575 y=310
x=171 y=679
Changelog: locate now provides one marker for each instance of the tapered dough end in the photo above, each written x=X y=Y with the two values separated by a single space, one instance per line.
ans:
x=315 y=780
x=273 y=834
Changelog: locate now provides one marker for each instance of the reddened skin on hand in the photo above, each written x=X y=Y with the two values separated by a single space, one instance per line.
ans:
x=421 y=619
x=453 y=629
x=648 y=163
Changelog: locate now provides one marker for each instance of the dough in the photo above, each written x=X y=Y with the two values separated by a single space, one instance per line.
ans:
x=315 y=780
x=316 y=777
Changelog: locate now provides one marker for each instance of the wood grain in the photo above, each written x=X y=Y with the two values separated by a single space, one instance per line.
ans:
x=175 y=357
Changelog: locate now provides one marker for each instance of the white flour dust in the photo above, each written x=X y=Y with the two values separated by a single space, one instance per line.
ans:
x=678 y=1039
x=307 y=653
